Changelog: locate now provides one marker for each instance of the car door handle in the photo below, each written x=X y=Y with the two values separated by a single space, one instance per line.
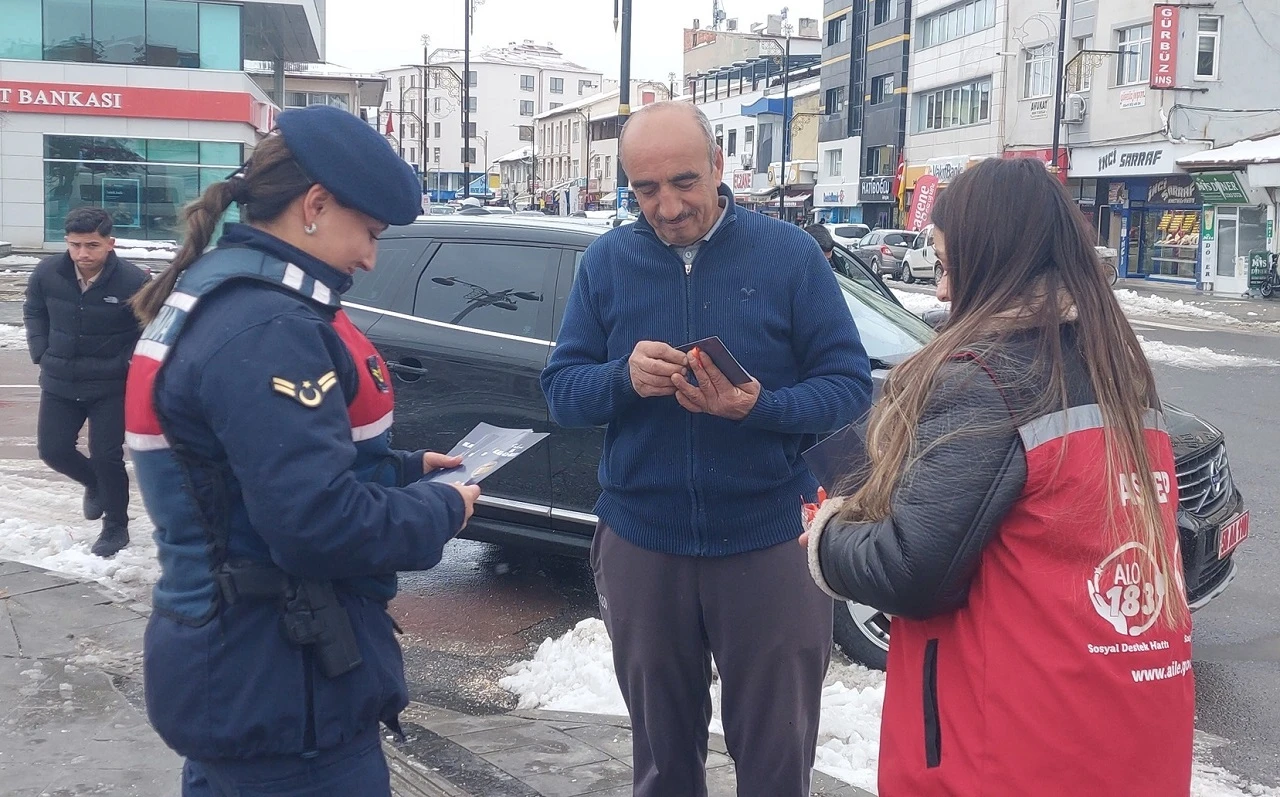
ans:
x=406 y=370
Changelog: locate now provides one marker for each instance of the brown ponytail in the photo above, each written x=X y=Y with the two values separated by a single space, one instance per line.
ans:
x=270 y=182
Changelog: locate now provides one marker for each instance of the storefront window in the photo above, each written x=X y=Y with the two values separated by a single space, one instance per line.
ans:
x=143 y=184
x=20 y=35
x=1172 y=243
x=68 y=30
x=118 y=31
x=220 y=37
x=1240 y=231
x=173 y=33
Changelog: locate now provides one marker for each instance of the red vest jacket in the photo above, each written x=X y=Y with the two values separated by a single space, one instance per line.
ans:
x=1056 y=677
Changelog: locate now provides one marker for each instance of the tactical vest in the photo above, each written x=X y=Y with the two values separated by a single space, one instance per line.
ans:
x=190 y=542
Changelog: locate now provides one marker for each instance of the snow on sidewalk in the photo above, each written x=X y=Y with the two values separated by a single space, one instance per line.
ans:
x=575 y=673
x=12 y=338
x=1152 y=306
x=41 y=524
x=1198 y=357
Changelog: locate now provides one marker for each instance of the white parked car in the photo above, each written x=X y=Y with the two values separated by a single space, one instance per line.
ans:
x=921 y=262
x=847 y=234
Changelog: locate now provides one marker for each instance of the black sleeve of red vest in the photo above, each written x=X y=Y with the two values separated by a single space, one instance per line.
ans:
x=270 y=396
x=919 y=561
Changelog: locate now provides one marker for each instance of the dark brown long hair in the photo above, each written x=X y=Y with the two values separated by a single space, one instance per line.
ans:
x=264 y=187
x=1020 y=259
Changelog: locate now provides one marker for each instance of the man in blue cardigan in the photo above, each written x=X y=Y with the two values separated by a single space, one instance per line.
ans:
x=702 y=480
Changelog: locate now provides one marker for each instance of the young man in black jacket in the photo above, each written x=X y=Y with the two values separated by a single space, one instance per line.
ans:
x=81 y=333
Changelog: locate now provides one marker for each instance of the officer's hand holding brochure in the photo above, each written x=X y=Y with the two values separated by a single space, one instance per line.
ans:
x=720 y=356
x=484 y=450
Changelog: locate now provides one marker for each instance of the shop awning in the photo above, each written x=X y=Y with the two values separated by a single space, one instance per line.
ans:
x=799 y=199
x=1242 y=153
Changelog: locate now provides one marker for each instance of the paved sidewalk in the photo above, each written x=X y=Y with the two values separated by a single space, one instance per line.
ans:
x=72 y=719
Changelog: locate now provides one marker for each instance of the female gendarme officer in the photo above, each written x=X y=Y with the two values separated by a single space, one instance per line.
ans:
x=258 y=419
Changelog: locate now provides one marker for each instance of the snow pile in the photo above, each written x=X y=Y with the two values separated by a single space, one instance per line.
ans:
x=41 y=524
x=145 y=250
x=19 y=260
x=575 y=673
x=1198 y=357
x=919 y=303
x=1135 y=304
x=12 y=338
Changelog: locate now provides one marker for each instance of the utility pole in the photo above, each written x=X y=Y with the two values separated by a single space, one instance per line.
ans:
x=466 y=98
x=786 y=124
x=1057 y=87
x=622 y=16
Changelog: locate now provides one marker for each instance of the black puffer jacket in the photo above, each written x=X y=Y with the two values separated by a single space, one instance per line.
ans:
x=82 y=342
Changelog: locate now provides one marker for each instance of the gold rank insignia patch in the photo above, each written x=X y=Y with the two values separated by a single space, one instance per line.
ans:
x=308 y=394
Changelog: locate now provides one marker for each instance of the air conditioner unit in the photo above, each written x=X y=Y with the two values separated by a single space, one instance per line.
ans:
x=748 y=161
x=599 y=173
x=1074 y=109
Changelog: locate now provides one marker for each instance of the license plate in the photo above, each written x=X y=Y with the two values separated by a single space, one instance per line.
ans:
x=1232 y=534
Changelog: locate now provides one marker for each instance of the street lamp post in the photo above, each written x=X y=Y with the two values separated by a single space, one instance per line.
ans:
x=786 y=121
x=622 y=17
x=1057 y=87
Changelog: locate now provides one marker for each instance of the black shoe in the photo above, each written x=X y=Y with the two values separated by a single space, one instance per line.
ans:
x=114 y=536
x=92 y=509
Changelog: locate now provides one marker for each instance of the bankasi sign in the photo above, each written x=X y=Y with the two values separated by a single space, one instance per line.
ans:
x=135 y=102
x=1164 y=47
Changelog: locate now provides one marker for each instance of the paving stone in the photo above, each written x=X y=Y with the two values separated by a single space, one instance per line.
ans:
x=463 y=723
x=582 y=780
x=507 y=737
x=614 y=741
x=27 y=580
x=545 y=758
x=8 y=639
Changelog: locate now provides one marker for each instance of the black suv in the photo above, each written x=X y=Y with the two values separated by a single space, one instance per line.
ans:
x=465 y=311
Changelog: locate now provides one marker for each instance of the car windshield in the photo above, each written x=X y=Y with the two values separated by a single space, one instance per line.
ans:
x=889 y=333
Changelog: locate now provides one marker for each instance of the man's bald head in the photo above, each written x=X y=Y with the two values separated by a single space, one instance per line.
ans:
x=676 y=119
x=675 y=168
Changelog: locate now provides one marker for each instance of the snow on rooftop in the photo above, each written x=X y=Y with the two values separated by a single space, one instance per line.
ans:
x=515 y=155
x=1258 y=150
x=525 y=54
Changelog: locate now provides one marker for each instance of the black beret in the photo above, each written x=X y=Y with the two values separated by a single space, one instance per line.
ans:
x=346 y=155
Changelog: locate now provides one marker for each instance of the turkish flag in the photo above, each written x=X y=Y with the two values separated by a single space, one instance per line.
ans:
x=390 y=130
x=898 y=177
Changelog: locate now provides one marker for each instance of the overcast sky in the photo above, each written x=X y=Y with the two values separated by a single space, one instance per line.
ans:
x=371 y=35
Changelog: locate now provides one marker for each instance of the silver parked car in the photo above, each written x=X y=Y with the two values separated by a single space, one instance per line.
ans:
x=885 y=249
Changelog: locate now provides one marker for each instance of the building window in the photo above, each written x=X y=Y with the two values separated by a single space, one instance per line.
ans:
x=21 y=34
x=882 y=88
x=884 y=11
x=1038 y=72
x=436 y=103
x=733 y=143
x=413 y=155
x=879 y=161
x=526 y=107
x=435 y=154
x=468 y=155
x=952 y=23
x=413 y=132
x=472 y=104
x=835 y=100
x=526 y=132
x=472 y=78
x=1134 y=60
x=835 y=162
x=555 y=105
x=526 y=83
x=1085 y=75
x=68 y=26
x=302 y=99
x=469 y=130
x=437 y=131
x=1207 y=49
x=748 y=139
x=142 y=183
x=837 y=30
x=720 y=136
x=575 y=132
x=583 y=85
x=608 y=166
x=117 y=29
x=955 y=106
x=557 y=85
x=173 y=33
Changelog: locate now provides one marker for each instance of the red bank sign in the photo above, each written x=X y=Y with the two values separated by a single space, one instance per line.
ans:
x=1164 y=47
x=135 y=102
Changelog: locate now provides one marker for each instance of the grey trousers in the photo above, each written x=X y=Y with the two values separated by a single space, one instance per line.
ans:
x=768 y=627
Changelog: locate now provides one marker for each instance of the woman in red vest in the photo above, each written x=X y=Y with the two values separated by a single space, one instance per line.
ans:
x=1017 y=521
